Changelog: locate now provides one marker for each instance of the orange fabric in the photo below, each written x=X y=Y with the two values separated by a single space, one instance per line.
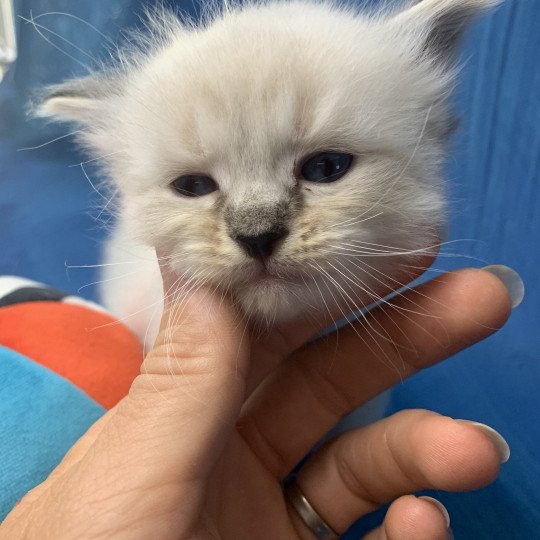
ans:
x=91 y=349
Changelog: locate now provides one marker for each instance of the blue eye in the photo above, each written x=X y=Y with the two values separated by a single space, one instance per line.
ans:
x=194 y=185
x=326 y=167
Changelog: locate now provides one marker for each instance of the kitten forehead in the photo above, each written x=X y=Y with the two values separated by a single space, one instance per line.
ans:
x=259 y=85
x=245 y=72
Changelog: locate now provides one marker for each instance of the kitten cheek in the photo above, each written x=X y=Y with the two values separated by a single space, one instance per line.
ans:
x=443 y=232
x=438 y=237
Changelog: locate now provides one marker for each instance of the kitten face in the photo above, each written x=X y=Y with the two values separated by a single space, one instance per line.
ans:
x=244 y=103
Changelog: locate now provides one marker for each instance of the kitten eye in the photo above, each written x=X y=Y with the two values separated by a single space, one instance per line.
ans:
x=326 y=167
x=194 y=185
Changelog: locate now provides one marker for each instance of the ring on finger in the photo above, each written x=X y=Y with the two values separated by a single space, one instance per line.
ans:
x=307 y=513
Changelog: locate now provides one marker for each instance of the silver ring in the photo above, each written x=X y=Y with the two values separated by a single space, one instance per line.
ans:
x=308 y=514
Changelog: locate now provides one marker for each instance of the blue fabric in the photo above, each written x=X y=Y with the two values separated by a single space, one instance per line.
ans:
x=494 y=174
x=493 y=177
x=42 y=415
x=45 y=222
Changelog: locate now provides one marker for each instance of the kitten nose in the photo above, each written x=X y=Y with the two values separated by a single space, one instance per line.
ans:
x=262 y=245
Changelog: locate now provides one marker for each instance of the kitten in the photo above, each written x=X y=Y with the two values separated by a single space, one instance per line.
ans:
x=287 y=152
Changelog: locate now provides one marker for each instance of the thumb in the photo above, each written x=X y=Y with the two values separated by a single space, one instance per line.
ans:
x=183 y=406
x=191 y=387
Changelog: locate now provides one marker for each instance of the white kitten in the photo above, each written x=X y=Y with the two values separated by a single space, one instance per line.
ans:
x=288 y=152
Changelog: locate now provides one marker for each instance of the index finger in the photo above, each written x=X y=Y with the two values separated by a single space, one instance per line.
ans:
x=329 y=378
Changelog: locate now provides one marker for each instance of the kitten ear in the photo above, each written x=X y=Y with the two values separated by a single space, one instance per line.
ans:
x=77 y=100
x=440 y=24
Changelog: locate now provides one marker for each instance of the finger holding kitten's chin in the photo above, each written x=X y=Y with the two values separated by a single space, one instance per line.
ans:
x=184 y=295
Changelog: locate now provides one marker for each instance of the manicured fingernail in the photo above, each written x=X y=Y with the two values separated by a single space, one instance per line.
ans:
x=496 y=437
x=440 y=506
x=511 y=280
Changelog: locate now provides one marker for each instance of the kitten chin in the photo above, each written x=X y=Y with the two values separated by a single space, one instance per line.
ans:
x=305 y=134
x=269 y=300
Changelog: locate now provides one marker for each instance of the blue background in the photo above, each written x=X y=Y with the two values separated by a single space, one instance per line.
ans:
x=48 y=220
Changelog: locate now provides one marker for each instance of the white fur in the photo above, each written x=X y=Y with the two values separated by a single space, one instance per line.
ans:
x=244 y=98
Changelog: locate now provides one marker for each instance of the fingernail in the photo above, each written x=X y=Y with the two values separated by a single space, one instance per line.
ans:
x=498 y=440
x=440 y=506
x=511 y=280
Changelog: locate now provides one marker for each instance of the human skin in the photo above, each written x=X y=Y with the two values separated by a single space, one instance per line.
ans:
x=217 y=419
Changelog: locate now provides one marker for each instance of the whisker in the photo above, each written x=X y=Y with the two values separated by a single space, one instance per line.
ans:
x=49 y=142
x=403 y=312
x=438 y=244
x=70 y=266
x=356 y=309
x=106 y=280
x=93 y=159
x=71 y=16
x=350 y=224
x=39 y=27
x=334 y=323
x=359 y=321
x=92 y=185
x=372 y=293
x=104 y=208
x=338 y=250
x=424 y=314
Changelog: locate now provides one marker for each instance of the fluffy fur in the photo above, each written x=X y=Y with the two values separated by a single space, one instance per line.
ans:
x=244 y=97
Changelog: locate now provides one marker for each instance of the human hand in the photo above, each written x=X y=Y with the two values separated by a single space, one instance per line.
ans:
x=216 y=420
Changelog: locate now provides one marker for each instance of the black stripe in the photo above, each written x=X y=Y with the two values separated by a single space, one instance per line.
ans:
x=32 y=294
